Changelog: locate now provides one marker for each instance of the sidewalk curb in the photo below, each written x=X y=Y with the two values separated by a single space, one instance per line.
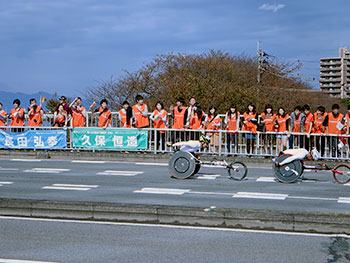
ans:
x=177 y=215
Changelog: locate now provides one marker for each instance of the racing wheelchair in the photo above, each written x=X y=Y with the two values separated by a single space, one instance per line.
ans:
x=183 y=165
x=291 y=172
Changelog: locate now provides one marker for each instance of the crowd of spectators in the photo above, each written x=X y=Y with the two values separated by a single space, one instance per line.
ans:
x=286 y=129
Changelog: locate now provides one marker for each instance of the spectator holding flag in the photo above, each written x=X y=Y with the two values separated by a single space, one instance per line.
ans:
x=79 y=113
x=35 y=113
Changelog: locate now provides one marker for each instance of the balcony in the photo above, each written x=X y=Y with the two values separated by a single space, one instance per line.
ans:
x=330 y=62
x=330 y=80
x=330 y=69
x=331 y=75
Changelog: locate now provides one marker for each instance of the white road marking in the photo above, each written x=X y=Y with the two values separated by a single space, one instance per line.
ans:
x=87 y=161
x=26 y=160
x=344 y=200
x=46 y=170
x=168 y=191
x=73 y=187
x=266 y=179
x=347 y=184
x=260 y=195
x=8 y=169
x=120 y=173
x=156 y=164
x=6 y=182
x=313 y=198
x=209 y=176
x=5 y=260
x=64 y=221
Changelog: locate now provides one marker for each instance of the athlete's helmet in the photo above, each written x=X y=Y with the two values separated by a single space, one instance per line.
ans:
x=315 y=154
x=204 y=138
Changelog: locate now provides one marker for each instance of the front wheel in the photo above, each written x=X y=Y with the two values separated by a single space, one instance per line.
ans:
x=341 y=173
x=237 y=171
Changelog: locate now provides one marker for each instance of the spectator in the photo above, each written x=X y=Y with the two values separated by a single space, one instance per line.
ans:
x=63 y=102
x=126 y=115
x=35 y=114
x=232 y=125
x=179 y=116
x=319 y=117
x=309 y=120
x=250 y=125
x=268 y=118
x=190 y=108
x=213 y=123
x=141 y=113
x=60 y=117
x=197 y=118
x=3 y=117
x=297 y=121
x=79 y=113
x=334 y=124
x=105 y=115
x=160 y=121
x=282 y=123
x=17 y=116
x=347 y=118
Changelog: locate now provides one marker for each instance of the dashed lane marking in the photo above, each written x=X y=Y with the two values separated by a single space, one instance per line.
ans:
x=119 y=173
x=46 y=170
x=26 y=160
x=169 y=191
x=260 y=195
x=74 y=187
x=5 y=260
x=266 y=179
x=87 y=161
x=5 y=183
x=344 y=200
x=209 y=176
x=8 y=169
x=156 y=164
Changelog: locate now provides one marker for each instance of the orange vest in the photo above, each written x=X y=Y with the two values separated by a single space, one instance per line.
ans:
x=3 y=114
x=282 y=123
x=34 y=119
x=159 y=123
x=249 y=126
x=297 y=124
x=268 y=122
x=232 y=122
x=332 y=123
x=104 y=118
x=213 y=122
x=308 y=120
x=195 y=122
x=141 y=121
x=60 y=119
x=318 y=123
x=17 y=121
x=122 y=114
x=78 y=117
x=179 y=117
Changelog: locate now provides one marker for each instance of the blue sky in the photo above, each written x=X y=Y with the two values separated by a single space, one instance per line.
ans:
x=68 y=45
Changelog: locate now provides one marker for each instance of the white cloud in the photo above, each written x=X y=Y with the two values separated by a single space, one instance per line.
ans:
x=272 y=7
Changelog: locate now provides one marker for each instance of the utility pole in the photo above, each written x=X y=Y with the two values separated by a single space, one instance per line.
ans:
x=260 y=61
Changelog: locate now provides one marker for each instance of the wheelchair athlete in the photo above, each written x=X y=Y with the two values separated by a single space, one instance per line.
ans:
x=193 y=146
x=298 y=154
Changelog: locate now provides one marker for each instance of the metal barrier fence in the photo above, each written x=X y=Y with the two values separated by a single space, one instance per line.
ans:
x=223 y=143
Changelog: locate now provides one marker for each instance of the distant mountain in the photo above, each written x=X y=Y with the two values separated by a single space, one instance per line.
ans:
x=6 y=98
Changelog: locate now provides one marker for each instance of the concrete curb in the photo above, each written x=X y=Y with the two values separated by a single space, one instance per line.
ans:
x=191 y=216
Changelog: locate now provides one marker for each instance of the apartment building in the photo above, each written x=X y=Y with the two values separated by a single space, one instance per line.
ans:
x=335 y=75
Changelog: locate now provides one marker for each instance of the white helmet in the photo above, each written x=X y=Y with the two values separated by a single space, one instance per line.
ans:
x=315 y=154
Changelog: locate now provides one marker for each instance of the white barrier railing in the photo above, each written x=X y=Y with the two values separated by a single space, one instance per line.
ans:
x=241 y=143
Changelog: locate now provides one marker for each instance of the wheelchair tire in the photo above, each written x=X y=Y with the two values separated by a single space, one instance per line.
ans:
x=182 y=165
x=289 y=172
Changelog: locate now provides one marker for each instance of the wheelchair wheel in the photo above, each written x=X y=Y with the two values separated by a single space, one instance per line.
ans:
x=341 y=173
x=237 y=171
x=289 y=172
x=182 y=165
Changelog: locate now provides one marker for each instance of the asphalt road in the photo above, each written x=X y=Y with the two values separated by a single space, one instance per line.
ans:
x=41 y=240
x=150 y=183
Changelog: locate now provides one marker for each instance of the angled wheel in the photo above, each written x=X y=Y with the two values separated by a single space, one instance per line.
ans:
x=182 y=165
x=289 y=172
x=341 y=173
x=237 y=171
